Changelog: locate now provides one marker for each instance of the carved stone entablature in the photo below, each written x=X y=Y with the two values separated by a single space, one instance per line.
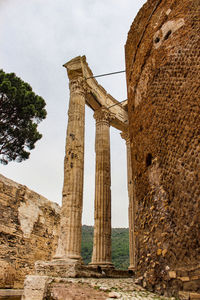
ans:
x=103 y=115
x=82 y=81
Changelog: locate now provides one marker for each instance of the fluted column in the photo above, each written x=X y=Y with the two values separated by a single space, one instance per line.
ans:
x=131 y=208
x=102 y=216
x=69 y=245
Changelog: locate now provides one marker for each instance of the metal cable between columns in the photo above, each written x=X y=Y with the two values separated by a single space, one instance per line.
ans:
x=106 y=74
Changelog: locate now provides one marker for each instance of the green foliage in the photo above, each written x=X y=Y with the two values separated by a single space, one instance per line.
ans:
x=20 y=112
x=87 y=243
x=120 y=246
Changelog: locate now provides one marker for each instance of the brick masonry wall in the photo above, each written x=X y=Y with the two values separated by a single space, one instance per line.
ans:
x=163 y=82
x=29 y=226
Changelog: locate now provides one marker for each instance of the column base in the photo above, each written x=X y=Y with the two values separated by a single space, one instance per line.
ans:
x=69 y=256
x=67 y=268
x=70 y=268
x=63 y=268
x=132 y=268
x=102 y=265
x=108 y=270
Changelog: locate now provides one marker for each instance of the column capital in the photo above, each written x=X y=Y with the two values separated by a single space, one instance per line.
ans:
x=78 y=86
x=103 y=115
x=125 y=136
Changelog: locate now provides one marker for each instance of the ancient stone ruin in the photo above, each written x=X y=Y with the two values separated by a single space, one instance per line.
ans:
x=161 y=125
x=29 y=229
x=163 y=80
x=67 y=261
x=85 y=90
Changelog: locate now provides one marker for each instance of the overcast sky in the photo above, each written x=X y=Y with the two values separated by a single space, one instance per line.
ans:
x=37 y=37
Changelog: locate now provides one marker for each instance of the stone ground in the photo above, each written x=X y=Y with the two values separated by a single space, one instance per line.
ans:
x=105 y=289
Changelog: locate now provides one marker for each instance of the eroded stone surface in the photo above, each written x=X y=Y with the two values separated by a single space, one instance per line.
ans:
x=29 y=226
x=162 y=64
x=69 y=244
x=28 y=214
x=35 y=287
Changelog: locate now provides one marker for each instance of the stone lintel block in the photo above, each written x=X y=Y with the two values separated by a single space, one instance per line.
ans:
x=74 y=67
x=35 y=287
x=59 y=268
x=132 y=268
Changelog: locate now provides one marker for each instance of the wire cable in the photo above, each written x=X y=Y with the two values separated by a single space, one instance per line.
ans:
x=117 y=103
x=107 y=74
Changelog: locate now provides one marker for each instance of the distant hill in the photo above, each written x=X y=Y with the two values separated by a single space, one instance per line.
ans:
x=120 y=246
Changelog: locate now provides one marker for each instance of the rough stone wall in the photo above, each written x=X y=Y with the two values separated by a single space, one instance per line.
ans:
x=29 y=225
x=163 y=82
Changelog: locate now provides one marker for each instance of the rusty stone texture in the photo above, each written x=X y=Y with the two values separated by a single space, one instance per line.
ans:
x=29 y=226
x=162 y=64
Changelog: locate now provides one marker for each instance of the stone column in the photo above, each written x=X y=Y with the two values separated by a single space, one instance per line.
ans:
x=131 y=209
x=69 y=245
x=102 y=216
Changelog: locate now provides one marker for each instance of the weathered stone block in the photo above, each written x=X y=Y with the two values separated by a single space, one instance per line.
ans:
x=35 y=287
x=29 y=231
x=162 y=60
x=59 y=268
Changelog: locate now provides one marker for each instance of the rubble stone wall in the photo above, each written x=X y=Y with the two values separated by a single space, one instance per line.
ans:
x=29 y=226
x=163 y=82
